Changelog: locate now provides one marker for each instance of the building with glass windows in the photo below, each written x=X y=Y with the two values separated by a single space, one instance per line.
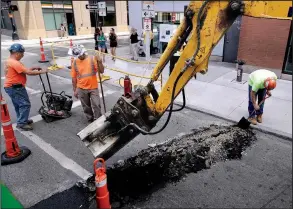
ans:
x=271 y=47
x=43 y=18
x=165 y=11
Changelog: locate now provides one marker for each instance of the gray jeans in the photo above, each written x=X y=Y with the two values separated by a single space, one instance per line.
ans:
x=90 y=101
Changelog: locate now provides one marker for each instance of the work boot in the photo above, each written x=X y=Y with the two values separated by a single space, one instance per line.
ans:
x=259 y=118
x=30 y=121
x=25 y=127
x=252 y=120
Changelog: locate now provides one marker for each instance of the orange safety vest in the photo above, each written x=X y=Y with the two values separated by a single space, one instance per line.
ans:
x=93 y=73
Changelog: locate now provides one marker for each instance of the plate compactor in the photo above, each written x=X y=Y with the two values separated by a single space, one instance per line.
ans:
x=56 y=106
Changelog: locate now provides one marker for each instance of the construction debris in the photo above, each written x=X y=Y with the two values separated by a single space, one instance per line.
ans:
x=135 y=178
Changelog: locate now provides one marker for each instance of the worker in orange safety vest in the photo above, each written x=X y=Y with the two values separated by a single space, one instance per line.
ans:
x=85 y=82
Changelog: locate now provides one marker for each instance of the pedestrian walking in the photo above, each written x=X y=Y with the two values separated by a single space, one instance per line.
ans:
x=102 y=44
x=134 y=43
x=101 y=31
x=71 y=29
x=96 y=36
x=84 y=81
x=62 y=30
x=14 y=85
x=113 y=42
x=260 y=84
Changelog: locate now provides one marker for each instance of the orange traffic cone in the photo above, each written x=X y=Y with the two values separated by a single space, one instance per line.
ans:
x=43 y=58
x=14 y=153
x=102 y=193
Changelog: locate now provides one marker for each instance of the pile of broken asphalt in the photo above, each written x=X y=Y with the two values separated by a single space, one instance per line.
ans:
x=135 y=178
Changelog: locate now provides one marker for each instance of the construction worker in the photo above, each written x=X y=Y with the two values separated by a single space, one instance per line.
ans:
x=85 y=82
x=260 y=84
x=14 y=85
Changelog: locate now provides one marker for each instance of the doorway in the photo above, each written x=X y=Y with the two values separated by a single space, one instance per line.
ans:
x=70 y=24
x=288 y=66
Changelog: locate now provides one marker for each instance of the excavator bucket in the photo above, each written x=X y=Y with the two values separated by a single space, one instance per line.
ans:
x=103 y=138
x=92 y=137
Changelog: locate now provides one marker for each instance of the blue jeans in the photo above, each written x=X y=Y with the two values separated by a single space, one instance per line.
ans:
x=21 y=103
x=260 y=94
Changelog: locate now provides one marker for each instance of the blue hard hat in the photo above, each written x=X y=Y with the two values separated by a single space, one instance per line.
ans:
x=16 y=48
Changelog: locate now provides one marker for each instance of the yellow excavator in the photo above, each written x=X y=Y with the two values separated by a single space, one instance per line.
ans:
x=204 y=24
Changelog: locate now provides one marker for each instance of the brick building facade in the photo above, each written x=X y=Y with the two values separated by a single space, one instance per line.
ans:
x=263 y=42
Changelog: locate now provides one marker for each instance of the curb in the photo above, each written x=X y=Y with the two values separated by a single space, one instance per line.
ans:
x=260 y=128
x=55 y=41
x=280 y=134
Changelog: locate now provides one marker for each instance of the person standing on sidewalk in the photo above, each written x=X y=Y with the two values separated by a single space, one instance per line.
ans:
x=260 y=84
x=134 y=41
x=62 y=30
x=113 y=42
x=14 y=85
x=85 y=82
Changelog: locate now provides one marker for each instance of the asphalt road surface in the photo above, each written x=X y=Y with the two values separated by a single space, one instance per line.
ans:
x=47 y=178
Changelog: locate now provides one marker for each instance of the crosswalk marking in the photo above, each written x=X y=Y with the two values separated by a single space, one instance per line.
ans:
x=62 y=159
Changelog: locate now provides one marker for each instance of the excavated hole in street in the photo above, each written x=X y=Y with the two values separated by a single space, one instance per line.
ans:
x=137 y=177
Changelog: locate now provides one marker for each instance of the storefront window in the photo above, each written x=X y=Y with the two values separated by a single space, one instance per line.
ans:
x=108 y=20
x=166 y=17
x=56 y=13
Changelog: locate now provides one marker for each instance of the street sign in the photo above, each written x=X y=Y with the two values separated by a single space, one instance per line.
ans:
x=89 y=6
x=150 y=14
x=147 y=24
x=102 y=12
x=148 y=5
x=102 y=5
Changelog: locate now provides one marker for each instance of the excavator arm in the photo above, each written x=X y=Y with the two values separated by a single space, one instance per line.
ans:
x=204 y=24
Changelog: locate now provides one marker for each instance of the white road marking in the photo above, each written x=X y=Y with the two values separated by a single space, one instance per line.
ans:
x=63 y=160
x=67 y=80
x=2 y=78
x=32 y=91
x=29 y=53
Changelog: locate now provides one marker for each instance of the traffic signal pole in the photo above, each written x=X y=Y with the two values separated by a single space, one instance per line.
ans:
x=14 y=32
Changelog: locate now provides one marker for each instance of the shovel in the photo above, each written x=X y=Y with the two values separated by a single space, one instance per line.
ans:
x=244 y=123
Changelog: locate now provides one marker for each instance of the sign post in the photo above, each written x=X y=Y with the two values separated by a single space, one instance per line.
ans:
x=147 y=14
x=11 y=9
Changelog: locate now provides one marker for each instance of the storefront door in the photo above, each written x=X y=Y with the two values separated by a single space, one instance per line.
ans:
x=288 y=67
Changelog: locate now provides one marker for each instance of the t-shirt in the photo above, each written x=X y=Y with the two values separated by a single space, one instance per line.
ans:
x=258 y=77
x=144 y=36
x=112 y=38
x=14 y=73
x=133 y=38
x=84 y=67
x=102 y=40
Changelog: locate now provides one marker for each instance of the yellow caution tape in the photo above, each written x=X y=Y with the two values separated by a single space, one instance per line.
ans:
x=121 y=58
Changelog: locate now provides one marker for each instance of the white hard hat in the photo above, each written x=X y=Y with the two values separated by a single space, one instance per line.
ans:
x=77 y=50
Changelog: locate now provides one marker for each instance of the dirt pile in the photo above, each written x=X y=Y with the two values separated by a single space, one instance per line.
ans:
x=138 y=176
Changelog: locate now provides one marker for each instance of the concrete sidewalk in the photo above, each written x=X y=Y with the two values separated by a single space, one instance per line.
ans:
x=216 y=92
x=7 y=42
